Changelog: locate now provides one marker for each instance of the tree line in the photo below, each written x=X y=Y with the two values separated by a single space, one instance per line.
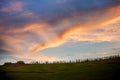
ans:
x=110 y=59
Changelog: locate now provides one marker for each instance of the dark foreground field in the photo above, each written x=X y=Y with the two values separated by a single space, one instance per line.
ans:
x=64 y=71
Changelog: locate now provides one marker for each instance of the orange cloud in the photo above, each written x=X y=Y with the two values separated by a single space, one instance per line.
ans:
x=41 y=30
x=18 y=39
x=79 y=32
x=107 y=17
x=113 y=14
x=58 y=40
x=111 y=21
x=13 y=43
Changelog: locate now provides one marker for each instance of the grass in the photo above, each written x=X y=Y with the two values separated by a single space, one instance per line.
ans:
x=64 y=71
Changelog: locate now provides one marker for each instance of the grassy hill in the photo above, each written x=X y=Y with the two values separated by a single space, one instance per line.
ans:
x=102 y=69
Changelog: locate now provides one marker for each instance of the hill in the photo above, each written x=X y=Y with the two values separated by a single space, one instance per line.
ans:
x=100 y=69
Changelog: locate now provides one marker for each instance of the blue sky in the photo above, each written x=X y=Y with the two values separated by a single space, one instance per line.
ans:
x=51 y=30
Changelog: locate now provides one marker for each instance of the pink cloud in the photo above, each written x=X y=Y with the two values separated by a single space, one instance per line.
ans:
x=16 y=6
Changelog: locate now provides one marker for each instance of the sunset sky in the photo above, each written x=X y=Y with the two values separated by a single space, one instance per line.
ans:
x=51 y=30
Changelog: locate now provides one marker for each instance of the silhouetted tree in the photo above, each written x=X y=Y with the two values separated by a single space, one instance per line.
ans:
x=20 y=62
x=7 y=63
x=46 y=62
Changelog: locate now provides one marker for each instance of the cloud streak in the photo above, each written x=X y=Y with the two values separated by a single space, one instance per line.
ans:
x=78 y=29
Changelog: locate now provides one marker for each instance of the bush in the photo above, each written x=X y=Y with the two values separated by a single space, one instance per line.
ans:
x=7 y=63
x=20 y=62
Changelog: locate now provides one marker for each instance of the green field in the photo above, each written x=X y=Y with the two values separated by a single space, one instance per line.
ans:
x=71 y=71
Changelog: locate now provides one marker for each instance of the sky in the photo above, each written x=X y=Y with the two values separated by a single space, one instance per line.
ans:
x=53 y=30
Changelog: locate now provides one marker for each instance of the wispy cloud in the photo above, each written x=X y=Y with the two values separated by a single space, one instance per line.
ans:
x=13 y=6
x=81 y=30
